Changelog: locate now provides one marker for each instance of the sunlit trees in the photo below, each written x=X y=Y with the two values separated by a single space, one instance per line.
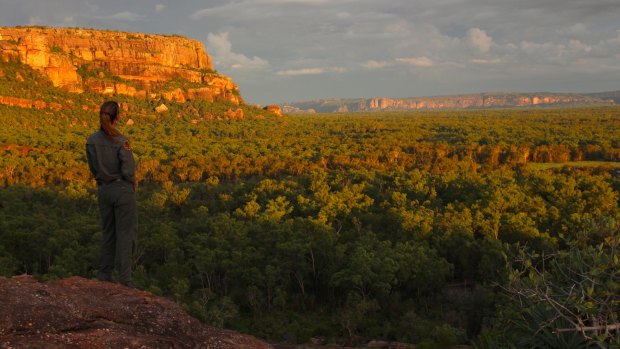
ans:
x=349 y=227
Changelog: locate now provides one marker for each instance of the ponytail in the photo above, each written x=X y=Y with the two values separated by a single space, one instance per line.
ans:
x=107 y=114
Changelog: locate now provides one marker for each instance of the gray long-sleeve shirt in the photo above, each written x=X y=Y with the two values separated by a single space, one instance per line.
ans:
x=109 y=161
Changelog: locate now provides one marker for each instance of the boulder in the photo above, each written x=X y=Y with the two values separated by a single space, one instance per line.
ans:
x=176 y=95
x=82 y=313
x=161 y=108
x=274 y=109
x=236 y=114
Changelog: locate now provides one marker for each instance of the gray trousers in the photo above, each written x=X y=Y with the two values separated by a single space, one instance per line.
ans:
x=117 y=205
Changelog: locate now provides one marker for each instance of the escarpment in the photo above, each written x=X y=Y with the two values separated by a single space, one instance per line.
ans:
x=111 y=62
x=482 y=100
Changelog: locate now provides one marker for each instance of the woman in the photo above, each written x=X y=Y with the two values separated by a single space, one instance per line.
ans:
x=111 y=162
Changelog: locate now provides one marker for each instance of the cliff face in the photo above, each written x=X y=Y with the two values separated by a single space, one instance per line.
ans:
x=486 y=100
x=80 y=313
x=117 y=62
x=610 y=95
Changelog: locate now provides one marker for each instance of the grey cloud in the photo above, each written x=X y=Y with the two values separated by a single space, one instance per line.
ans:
x=311 y=71
x=372 y=64
x=127 y=16
x=226 y=57
x=420 y=62
x=288 y=2
x=581 y=7
x=279 y=50
x=479 y=39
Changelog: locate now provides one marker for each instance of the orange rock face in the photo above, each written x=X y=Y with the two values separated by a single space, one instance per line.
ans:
x=145 y=60
x=483 y=100
x=176 y=95
x=236 y=114
x=28 y=103
x=201 y=93
x=80 y=313
x=274 y=109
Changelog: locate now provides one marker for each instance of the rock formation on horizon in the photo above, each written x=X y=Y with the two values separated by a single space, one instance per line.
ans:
x=113 y=62
x=470 y=101
x=80 y=313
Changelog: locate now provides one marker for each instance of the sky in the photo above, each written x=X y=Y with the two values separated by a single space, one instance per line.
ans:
x=281 y=51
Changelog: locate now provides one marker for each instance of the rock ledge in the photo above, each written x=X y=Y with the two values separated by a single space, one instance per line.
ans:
x=80 y=313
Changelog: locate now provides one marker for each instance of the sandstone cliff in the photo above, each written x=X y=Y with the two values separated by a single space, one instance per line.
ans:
x=483 y=100
x=137 y=64
x=80 y=313
x=610 y=95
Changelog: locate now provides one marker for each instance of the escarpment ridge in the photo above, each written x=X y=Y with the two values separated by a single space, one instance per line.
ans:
x=469 y=101
x=113 y=62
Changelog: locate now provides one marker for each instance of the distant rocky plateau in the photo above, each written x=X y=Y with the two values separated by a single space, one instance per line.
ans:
x=111 y=62
x=469 y=101
x=82 y=313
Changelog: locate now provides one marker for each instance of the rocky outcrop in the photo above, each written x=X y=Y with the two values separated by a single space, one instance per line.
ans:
x=484 y=100
x=83 y=59
x=28 y=103
x=236 y=114
x=609 y=96
x=161 y=108
x=81 y=313
x=274 y=109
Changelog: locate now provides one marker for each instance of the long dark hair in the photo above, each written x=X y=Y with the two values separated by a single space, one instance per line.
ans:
x=107 y=114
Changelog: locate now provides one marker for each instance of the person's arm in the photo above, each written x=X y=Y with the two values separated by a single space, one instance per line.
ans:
x=128 y=166
x=91 y=156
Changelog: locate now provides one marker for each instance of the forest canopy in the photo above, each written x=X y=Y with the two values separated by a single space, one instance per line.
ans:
x=422 y=227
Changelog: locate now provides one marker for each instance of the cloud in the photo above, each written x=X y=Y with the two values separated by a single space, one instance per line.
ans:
x=344 y=15
x=478 y=38
x=303 y=71
x=311 y=71
x=35 y=20
x=127 y=16
x=94 y=8
x=281 y=2
x=564 y=53
x=485 y=61
x=456 y=45
x=220 y=10
x=372 y=64
x=549 y=49
x=201 y=13
x=575 y=29
x=225 y=56
x=398 y=27
x=421 y=62
x=579 y=46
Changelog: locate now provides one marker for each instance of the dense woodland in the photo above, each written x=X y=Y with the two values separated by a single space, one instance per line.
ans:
x=422 y=227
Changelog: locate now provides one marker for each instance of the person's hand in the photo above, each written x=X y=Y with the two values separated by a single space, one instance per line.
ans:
x=127 y=146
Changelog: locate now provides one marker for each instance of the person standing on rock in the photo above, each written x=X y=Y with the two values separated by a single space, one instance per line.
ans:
x=110 y=159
